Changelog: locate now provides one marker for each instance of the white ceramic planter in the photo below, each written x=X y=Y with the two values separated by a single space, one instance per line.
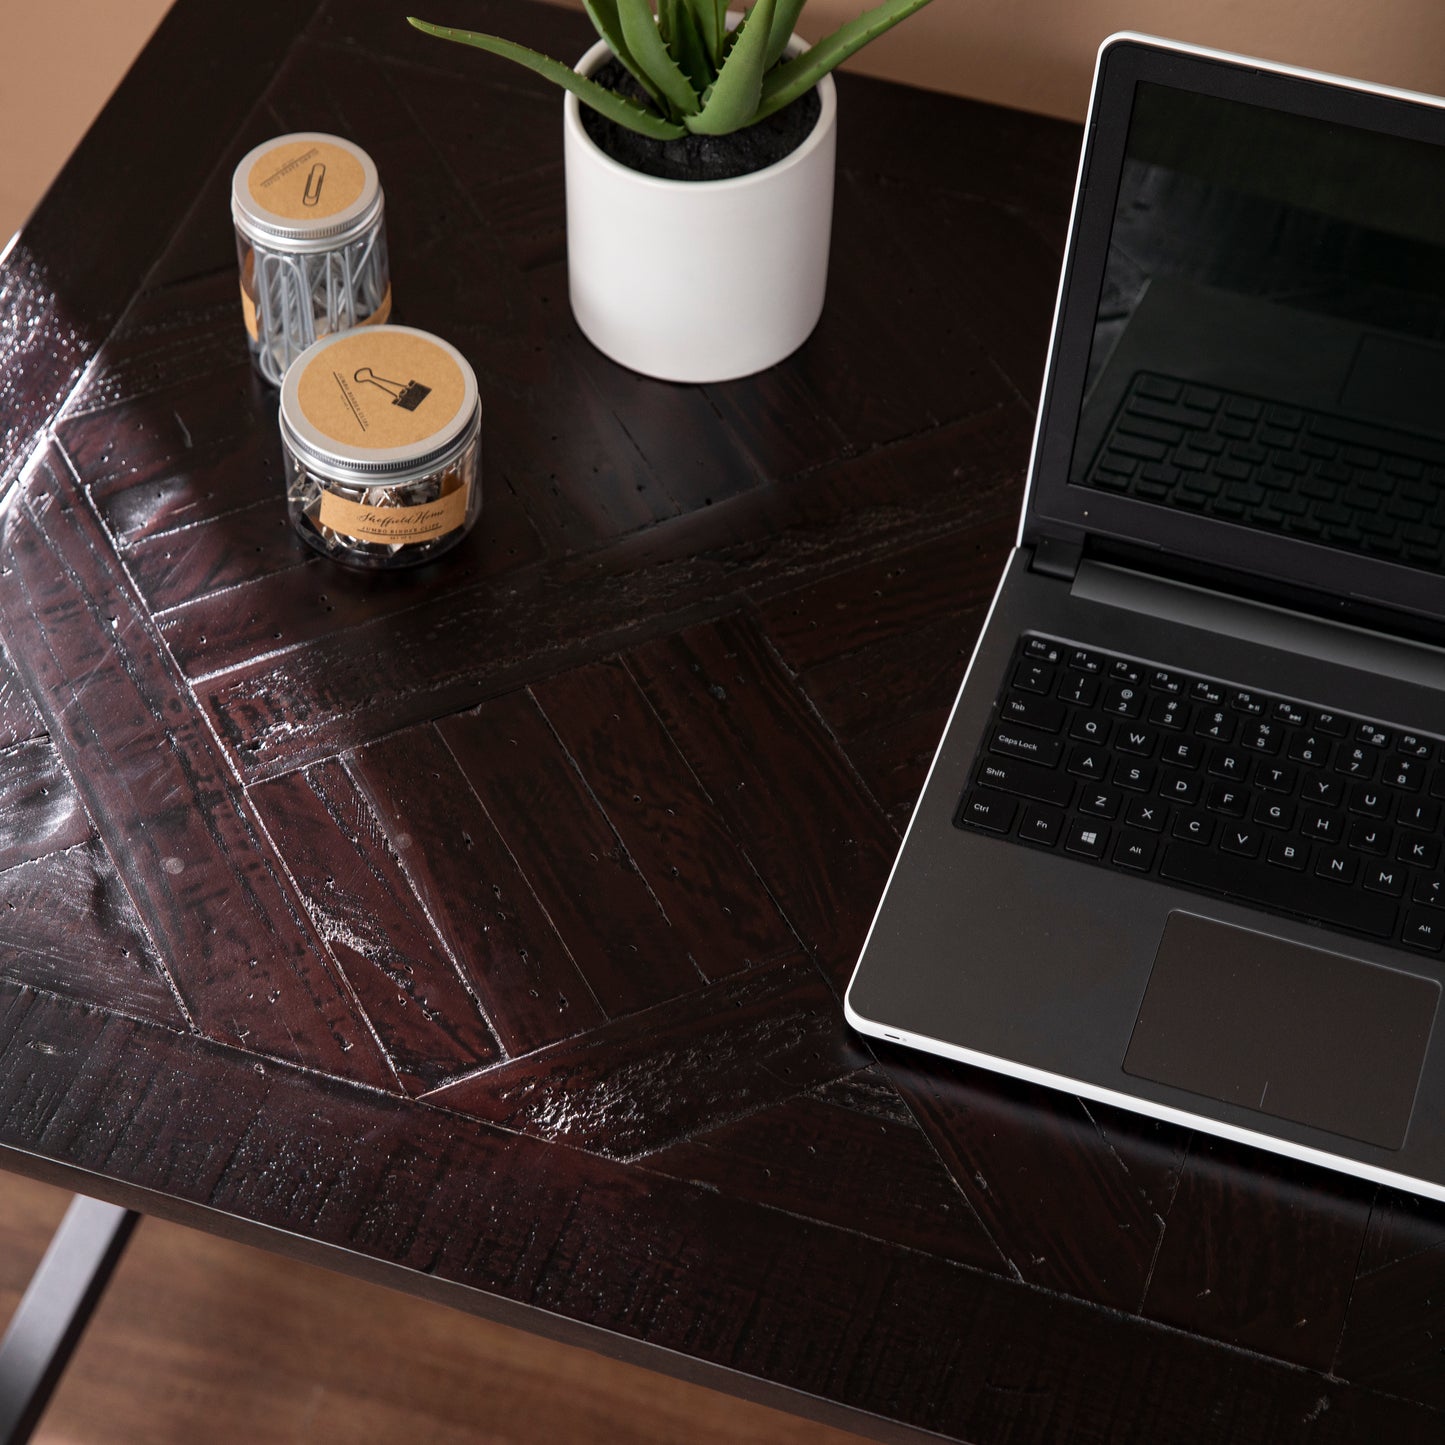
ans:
x=698 y=280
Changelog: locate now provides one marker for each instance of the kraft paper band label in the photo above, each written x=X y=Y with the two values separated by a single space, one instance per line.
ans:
x=248 y=301
x=306 y=180
x=375 y=390
x=248 y=314
x=380 y=316
x=395 y=525
x=253 y=323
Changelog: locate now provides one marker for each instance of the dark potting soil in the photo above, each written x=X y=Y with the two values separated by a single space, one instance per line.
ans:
x=699 y=157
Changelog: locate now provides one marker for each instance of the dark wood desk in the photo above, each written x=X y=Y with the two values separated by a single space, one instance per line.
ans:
x=483 y=931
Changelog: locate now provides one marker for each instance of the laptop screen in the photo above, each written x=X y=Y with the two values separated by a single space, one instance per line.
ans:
x=1269 y=343
x=1249 y=359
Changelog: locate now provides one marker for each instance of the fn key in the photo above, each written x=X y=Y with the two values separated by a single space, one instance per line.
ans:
x=983 y=808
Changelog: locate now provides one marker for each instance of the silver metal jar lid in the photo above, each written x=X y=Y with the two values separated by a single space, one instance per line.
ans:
x=307 y=191
x=386 y=404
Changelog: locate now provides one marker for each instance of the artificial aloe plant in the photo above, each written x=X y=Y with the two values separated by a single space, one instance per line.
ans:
x=699 y=76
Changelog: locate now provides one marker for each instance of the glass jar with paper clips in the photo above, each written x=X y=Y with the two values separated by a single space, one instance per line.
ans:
x=311 y=241
x=381 y=427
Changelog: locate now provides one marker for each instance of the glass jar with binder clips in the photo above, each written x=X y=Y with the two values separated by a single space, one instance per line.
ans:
x=311 y=241
x=381 y=428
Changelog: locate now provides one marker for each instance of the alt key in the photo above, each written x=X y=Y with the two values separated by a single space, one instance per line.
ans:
x=1424 y=930
x=1134 y=850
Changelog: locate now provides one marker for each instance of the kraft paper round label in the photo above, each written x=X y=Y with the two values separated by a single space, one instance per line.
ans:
x=382 y=388
x=306 y=180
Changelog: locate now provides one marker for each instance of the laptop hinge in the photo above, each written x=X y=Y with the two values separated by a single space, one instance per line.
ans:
x=1056 y=558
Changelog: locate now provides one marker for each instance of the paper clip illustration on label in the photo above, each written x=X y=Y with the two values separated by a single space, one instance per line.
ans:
x=314 y=178
x=410 y=396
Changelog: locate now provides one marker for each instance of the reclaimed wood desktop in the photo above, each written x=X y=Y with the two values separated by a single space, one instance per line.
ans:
x=483 y=931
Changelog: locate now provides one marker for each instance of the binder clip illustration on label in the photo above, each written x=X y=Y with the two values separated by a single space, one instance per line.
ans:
x=409 y=396
x=314 y=178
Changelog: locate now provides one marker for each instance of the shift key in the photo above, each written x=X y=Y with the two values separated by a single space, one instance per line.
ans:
x=1023 y=780
x=1023 y=743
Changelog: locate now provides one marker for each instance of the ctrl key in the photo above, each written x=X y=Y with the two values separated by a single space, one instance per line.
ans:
x=982 y=808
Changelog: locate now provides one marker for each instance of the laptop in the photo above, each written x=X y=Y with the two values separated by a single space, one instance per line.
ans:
x=1180 y=848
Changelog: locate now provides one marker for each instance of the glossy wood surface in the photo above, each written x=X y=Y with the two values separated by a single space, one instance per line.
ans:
x=483 y=931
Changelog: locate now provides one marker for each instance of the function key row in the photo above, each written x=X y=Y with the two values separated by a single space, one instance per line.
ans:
x=1131 y=690
x=1181 y=736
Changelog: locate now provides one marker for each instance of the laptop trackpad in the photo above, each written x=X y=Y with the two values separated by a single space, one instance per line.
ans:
x=1315 y=1037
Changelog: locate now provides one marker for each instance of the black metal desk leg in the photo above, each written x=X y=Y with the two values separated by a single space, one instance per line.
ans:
x=56 y=1307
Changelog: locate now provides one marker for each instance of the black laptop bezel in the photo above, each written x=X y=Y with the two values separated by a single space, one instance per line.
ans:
x=1087 y=517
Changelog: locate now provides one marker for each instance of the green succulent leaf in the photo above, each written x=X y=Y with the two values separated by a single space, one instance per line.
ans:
x=708 y=16
x=644 y=40
x=732 y=102
x=799 y=75
x=603 y=101
x=667 y=22
x=785 y=22
x=691 y=51
x=603 y=15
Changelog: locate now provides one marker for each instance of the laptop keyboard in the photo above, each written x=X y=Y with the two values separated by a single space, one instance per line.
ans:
x=1211 y=787
x=1308 y=474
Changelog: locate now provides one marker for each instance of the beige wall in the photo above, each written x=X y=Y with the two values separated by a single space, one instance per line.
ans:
x=64 y=57
x=62 y=60
x=1039 y=54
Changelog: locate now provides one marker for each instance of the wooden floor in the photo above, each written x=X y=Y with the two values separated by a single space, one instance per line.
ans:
x=200 y=1339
